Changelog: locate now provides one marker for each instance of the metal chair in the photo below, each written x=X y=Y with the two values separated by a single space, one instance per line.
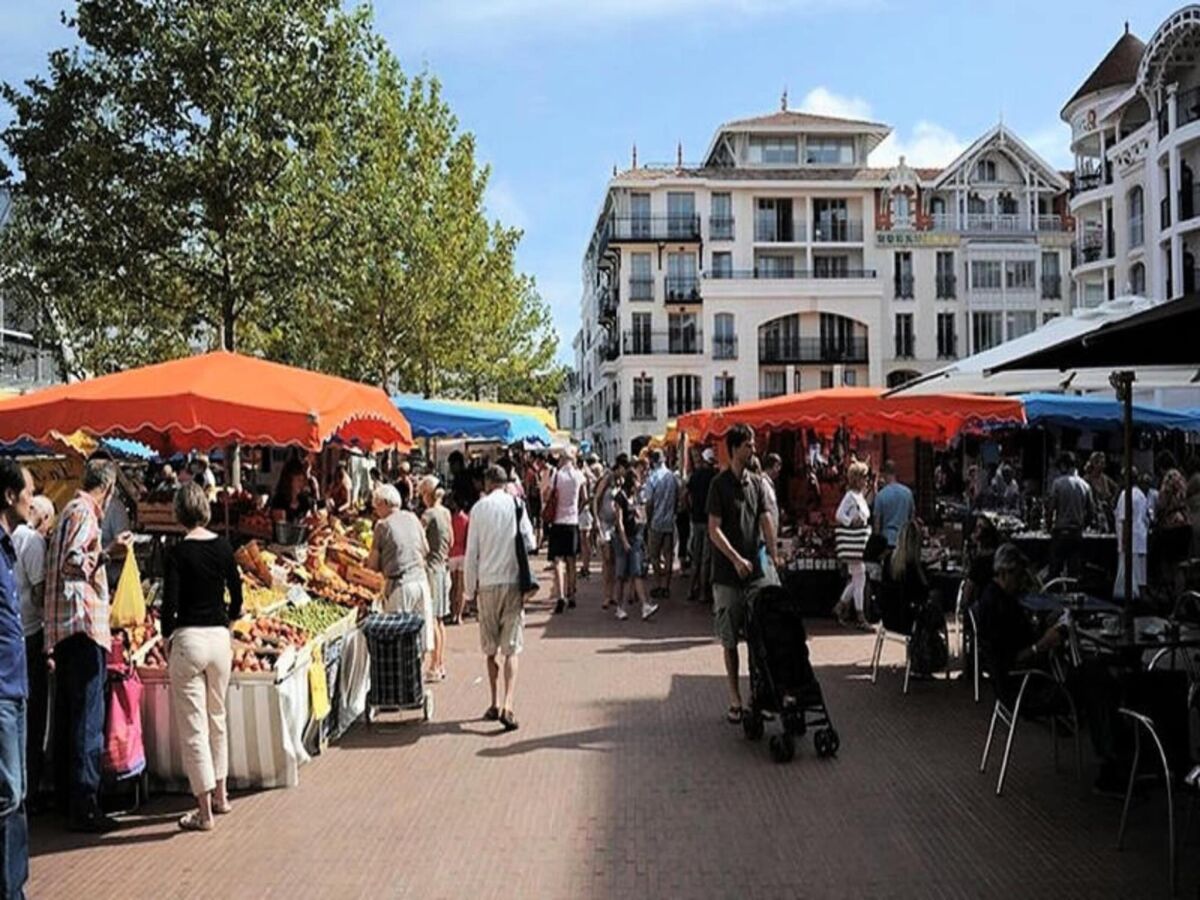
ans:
x=882 y=634
x=974 y=653
x=1010 y=717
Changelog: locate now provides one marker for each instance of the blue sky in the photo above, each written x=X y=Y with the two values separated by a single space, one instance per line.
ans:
x=557 y=91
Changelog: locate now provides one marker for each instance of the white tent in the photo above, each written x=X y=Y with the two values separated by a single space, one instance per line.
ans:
x=969 y=375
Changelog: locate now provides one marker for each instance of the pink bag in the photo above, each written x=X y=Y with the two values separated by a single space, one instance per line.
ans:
x=124 y=753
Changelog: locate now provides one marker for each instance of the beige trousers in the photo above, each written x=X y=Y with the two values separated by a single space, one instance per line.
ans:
x=199 y=666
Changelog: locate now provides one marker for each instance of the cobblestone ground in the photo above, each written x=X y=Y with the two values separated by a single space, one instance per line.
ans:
x=625 y=781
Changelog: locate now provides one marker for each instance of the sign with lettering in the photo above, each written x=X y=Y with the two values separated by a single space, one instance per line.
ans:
x=916 y=239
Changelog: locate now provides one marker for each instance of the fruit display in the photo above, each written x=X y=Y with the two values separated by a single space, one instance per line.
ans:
x=315 y=617
x=255 y=561
x=257 y=599
x=258 y=643
x=351 y=596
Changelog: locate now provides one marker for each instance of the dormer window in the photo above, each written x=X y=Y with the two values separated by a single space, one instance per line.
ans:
x=985 y=170
x=773 y=151
x=829 y=151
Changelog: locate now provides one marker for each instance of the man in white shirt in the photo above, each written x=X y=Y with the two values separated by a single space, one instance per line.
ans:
x=568 y=492
x=491 y=574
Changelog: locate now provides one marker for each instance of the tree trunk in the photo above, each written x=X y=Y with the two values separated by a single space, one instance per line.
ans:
x=233 y=453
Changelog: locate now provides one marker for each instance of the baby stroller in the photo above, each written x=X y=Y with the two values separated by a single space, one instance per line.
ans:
x=781 y=677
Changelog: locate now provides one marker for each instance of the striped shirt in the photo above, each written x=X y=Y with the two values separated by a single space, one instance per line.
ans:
x=76 y=582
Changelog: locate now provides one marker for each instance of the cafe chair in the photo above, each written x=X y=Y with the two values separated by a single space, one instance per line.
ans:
x=1009 y=718
x=974 y=653
x=883 y=634
x=1143 y=724
x=959 y=617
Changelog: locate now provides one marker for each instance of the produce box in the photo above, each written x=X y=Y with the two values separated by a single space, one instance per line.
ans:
x=158 y=516
x=364 y=577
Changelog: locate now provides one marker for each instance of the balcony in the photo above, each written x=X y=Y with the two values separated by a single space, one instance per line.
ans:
x=1187 y=107
x=656 y=343
x=903 y=285
x=1188 y=205
x=720 y=228
x=1091 y=248
x=844 y=231
x=1085 y=181
x=610 y=298
x=1052 y=223
x=770 y=231
x=725 y=347
x=653 y=229
x=645 y=409
x=998 y=223
x=610 y=351
x=787 y=274
x=1051 y=287
x=641 y=289
x=682 y=288
x=947 y=287
x=724 y=398
x=799 y=350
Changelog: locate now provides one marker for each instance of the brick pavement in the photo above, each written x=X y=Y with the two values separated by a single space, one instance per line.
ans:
x=624 y=781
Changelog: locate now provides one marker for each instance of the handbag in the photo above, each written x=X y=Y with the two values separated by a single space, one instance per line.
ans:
x=851 y=542
x=529 y=585
x=550 y=507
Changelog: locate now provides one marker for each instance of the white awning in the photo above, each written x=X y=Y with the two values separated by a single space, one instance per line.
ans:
x=967 y=376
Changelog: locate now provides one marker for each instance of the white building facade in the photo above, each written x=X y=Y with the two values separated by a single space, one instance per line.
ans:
x=1135 y=127
x=783 y=263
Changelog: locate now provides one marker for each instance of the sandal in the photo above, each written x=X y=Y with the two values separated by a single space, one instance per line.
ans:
x=192 y=822
x=492 y=714
x=508 y=720
x=734 y=715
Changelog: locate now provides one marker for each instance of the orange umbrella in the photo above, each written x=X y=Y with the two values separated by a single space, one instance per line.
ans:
x=935 y=418
x=209 y=400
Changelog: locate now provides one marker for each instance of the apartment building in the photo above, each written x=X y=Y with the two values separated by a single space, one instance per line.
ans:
x=783 y=262
x=1135 y=133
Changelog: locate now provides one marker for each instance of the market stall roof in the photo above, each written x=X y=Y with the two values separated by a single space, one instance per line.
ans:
x=936 y=418
x=970 y=374
x=1161 y=335
x=453 y=418
x=208 y=400
x=1100 y=413
x=545 y=416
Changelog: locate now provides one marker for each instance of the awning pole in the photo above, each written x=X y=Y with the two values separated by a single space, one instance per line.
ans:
x=1122 y=382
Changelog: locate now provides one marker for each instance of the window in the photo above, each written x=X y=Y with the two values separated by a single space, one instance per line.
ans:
x=683 y=395
x=641 y=278
x=773 y=150
x=850 y=377
x=720 y=223
x=1137 y=280
x=837 y=333
x=986 y=331
x=723 y=392
x=724 y=340
x=640 y=334
x=797 y=382
x=1137 y=232
x=904 y=335
x=829 y=151
x=985 y=275
x=826 y=379
x=683 y=333
x=681 y=214
x=830 y=220
x=985 y=170
x=643 y=398
x=1051 y=277
x=1019 y=274
x=722 y=264
x=772 y=383
x=831 y=266
x=946 y=288
x=639 y=214
x=1021 y=322
x=1093 y=293
x=774 y=266
x=947 y=339
x=682 y=284
x=773 y=220
x=903 y=266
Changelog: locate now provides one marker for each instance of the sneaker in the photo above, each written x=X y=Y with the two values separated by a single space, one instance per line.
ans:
x=621 y=614
x=97 y=823
x=648 y=609
x=560 y=606
x=571 y=602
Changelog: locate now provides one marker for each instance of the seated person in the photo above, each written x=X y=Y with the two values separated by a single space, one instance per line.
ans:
x=1008 y=640
x=904 y=589
x=982 y=554
x=292 y=497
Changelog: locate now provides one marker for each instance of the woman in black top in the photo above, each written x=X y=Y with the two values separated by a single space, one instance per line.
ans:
x=905 y=587
x=200 y=657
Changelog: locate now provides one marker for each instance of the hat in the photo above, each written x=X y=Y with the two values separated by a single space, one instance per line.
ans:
x=708 y=455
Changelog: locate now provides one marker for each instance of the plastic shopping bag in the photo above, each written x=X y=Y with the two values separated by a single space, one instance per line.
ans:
x=128 y=602
x=317 y=685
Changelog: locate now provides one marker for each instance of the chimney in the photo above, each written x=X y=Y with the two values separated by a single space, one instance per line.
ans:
x=635 y=156
x=679 y=155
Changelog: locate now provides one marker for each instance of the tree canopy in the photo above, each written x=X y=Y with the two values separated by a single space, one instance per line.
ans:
x=262 y=175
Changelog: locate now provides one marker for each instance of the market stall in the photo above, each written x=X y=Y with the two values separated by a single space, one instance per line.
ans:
x=454 y=419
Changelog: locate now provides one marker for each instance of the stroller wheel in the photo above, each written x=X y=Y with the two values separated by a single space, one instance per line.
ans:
x=752 y=725
x=826 y=743
x=783 y=748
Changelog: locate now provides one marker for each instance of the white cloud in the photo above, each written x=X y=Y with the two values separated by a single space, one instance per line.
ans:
x=500 y=201
x=928 y=144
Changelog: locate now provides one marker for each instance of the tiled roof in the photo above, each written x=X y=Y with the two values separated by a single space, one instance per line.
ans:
x=1119 y=67
x=800 y=119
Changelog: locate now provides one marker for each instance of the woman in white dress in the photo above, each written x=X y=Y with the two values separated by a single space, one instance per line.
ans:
x=853 y=530
x=1141 y=531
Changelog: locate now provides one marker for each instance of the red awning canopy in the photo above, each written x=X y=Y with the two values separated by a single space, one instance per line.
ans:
x=209 y=400
x=934 y=418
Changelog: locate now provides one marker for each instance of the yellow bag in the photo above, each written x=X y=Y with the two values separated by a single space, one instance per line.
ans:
x=317 y=687
x=128 y=601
